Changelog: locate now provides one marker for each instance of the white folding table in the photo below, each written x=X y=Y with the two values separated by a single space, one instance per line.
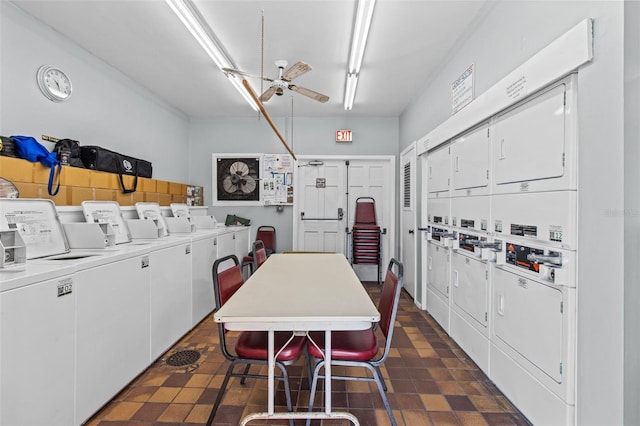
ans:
x=300 y=293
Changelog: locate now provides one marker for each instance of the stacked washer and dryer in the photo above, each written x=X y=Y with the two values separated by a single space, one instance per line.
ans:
x=500 y=249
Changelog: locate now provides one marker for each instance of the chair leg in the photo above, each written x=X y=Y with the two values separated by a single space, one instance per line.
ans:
x=244 y=374
x=382 y=389
x=216 y=404
x=287 y=390
x=384 y=385
x=314 y=383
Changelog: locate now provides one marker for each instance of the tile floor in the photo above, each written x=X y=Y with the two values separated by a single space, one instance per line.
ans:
x=430 y=379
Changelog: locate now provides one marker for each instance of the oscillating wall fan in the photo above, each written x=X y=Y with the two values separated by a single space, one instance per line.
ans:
x=238 y=179
x=278 y=85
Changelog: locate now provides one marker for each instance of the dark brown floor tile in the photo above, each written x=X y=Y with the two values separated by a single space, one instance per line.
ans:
x=460 y=403
x=360 y=400
x=150 y=411
x=407 y=401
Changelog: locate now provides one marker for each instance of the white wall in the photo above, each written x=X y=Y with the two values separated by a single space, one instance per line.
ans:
x=371 y=136
x=106 y=108
x=508 y=34
x=632 y=212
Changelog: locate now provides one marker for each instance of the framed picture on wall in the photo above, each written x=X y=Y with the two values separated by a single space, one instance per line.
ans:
x=236 y=180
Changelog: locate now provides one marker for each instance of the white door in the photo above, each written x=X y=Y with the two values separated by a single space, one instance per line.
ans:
x=408 y=217
x=325 y=194
x=321 y=202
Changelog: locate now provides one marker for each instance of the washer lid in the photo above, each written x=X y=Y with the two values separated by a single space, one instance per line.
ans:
x=37 y=223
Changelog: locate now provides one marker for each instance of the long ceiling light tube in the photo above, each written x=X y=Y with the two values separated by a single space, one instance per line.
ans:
x=204 y=35
x=350 y=91
x=364 y=15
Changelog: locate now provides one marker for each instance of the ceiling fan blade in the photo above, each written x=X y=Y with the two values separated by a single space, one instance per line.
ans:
x=310 y=93
x=238 y=72
x=296 y=70
x=267 y=94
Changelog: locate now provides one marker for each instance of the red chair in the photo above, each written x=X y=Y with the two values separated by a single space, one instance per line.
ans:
x=366 y=234
x=360 y=348
x=251 y=346
x=259 y=254
x=266 y=234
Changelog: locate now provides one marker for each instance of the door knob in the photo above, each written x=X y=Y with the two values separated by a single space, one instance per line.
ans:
x=411 y=231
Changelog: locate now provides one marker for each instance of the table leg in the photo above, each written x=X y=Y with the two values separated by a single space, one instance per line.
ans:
x=271 y=371
x=327 y=371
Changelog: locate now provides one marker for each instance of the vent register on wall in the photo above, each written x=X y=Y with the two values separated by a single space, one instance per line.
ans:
x=252 y=179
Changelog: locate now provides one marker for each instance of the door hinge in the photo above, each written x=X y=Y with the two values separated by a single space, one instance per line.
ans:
x=562 y=307
x=486 y=275
x=563 y=159
x=488 y=132
x=487 y=174
x=447 y=290
x=486 y=317
x=561 y=369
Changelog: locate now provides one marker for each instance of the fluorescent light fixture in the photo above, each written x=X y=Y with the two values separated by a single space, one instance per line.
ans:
x=364 y=14
x=200 y=30
x=350 y=91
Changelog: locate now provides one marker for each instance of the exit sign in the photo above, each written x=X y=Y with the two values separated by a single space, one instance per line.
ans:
x=344 y=136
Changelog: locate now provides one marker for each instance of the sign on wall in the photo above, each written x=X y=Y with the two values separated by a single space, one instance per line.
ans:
x=462 y=90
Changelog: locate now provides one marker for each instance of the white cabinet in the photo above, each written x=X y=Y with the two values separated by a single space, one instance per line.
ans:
x=242 y=242
x=203 y=254
x=37 y=361
x=170 y=295
x=112 y=331
x=470 y=289
x=226 y=244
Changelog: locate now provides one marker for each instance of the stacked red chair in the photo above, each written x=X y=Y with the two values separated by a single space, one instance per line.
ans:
x=365 y=235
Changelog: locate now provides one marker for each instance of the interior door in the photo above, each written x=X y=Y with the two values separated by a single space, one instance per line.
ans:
x=321 y=200
x=325 y=193
x=408 y=218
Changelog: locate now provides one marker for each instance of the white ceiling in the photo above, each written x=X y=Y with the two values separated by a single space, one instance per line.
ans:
x=147 y=42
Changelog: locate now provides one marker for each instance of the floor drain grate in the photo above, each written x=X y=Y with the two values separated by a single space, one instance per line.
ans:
x=181 y=358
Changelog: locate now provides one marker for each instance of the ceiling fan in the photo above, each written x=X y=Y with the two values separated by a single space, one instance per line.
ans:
x=283 y=81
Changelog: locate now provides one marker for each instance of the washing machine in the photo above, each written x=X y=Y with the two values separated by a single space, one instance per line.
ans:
x=37 y=320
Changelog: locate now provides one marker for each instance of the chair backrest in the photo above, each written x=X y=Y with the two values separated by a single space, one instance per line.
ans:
x=389 y=299
x=267 y=234
x=226 y=281
x=365 y=211
x=259 y=254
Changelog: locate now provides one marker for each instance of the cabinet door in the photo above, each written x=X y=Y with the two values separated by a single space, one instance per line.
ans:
x=470 y=289
x=226 y=245
x=529 y=141
x=242 y=242
x=112 y=331
x=36 y=354
x=170 y=275
x=203 y=255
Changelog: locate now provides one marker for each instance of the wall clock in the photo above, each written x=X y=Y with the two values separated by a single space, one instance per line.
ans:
x=54 y=83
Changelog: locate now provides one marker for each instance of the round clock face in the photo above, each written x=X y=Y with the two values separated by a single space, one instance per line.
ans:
x=54 y=83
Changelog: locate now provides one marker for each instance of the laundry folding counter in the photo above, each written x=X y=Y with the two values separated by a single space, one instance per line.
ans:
x=300 y=293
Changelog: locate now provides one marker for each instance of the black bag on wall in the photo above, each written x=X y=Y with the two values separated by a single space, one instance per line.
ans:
x=7 y=147
x=68 y=152
x=98 y=158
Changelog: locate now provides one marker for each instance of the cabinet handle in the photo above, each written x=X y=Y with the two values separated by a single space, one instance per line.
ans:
x=430 y=263
x=501 y=305
x=455 y=279
x=502 y=156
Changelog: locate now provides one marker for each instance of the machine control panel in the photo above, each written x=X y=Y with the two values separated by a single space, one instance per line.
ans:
x=519 y=256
